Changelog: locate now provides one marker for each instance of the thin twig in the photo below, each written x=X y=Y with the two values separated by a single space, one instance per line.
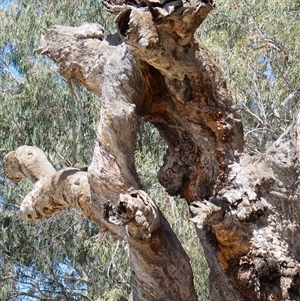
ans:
x=112 y=258
x=7 y=68
x=71 y=226
x=74 y=143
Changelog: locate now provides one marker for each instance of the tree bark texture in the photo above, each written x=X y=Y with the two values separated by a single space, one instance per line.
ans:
x=245 y=209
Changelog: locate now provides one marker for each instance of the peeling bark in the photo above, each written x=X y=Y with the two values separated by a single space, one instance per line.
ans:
x=245 y=209
x=255 y=244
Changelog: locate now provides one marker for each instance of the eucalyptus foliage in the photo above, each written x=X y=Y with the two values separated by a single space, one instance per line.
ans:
x=62 y=258
x=257 y=45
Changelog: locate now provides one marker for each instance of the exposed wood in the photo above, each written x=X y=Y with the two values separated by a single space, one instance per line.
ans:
x=160 y=267
x=245 y=209
x=153 y=246
x=52 y=191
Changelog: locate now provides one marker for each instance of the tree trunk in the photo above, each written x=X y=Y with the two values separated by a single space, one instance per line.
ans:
x=244 y=208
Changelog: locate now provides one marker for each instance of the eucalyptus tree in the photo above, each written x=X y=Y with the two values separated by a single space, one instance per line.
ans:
x=38 y=107
x=240 y=205
x=63 y=261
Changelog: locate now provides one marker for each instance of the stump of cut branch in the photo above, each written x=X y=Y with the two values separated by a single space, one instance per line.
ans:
x=245 y=209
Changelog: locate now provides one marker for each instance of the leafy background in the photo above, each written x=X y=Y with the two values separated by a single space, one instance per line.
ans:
x=66 y=257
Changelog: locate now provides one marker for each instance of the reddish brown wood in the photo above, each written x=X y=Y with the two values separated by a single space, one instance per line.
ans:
x=245 y=209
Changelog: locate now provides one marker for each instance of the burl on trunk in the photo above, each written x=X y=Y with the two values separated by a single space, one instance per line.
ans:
x=245 y=209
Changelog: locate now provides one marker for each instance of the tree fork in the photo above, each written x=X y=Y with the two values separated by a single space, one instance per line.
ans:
x=244 y=208
x=158 y=261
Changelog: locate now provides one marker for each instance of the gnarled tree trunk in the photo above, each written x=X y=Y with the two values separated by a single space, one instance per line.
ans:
x=245 y=208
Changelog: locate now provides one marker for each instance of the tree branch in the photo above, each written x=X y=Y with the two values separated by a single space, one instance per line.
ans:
x=240 y=204
x=52 y=191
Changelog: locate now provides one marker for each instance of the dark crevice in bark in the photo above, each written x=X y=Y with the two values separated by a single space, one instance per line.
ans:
x=245 y=208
